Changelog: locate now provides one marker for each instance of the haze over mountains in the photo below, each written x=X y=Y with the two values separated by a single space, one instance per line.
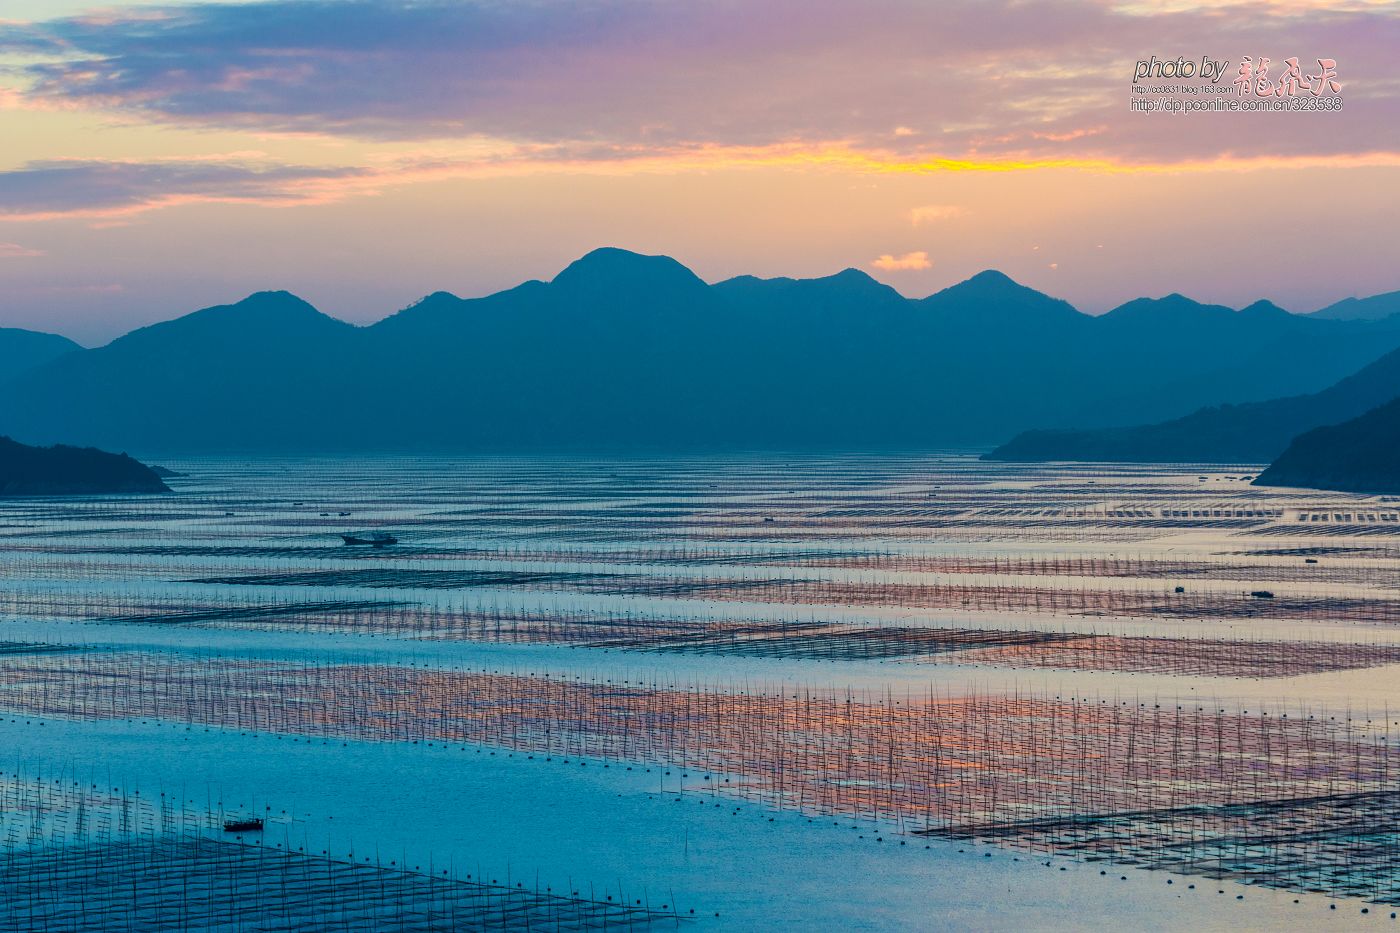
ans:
x=1251 y=433
x=23 y=350
x=1374 y=308
x=623 y=351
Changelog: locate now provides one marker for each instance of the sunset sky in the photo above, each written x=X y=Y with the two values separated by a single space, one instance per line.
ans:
x=161 y=157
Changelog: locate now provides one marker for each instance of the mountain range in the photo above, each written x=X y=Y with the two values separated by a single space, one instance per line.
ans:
x=1255 y=432
x=625 y=351
x=1361 y=309
x=1360 y=455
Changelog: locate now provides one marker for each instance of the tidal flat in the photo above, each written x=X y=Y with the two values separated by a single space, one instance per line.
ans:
x=747 y=692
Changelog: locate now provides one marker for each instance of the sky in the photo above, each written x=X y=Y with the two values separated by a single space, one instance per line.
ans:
x=161 y=157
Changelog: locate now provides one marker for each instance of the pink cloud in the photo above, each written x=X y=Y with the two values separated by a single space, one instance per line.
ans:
x=15 y=251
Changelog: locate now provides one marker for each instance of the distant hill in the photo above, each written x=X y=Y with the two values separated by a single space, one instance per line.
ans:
x=60 y=470
x=1360 y=455
x=262 y=368
x=625 y=351
x=1251 y=433
x=1375 y=308
x=22 y=350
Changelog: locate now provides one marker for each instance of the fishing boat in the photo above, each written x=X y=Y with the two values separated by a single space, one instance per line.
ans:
x=371 y=538
x=248 y=824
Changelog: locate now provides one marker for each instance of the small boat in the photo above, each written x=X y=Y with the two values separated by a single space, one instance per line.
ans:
x=371 y=538
x=1261 y=594
x=251 y=824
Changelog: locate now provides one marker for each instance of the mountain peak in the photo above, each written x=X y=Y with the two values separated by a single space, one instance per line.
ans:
x=1262 y=307
x=609 y=267
x=255 y=318
x=261 y=307
x=1173 y=306
x=272 y=296
x=859 y=282
x=992 y=282
x=276 y=308
x=810 y=298
x=273 y=300
x=1175 y=301
x=431 y=303
x=989 y=278
x=437 y=296
x=994 y=294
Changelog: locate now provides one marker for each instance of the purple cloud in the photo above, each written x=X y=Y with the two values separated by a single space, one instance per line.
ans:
x=984 y=78
x=57 y=188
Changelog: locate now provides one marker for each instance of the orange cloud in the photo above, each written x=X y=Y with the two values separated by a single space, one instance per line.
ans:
x=119 y=188
x=909 y=261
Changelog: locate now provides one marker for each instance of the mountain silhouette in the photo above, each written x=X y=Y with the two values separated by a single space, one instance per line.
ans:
x=22 y=350
x=1375 y=308
x=993 y=297
x=611 y=273
x=622 y=351
x=1171 y=311
x=1250 y=433
x=61 y=470
x=1360 y=455
x=234 y=371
